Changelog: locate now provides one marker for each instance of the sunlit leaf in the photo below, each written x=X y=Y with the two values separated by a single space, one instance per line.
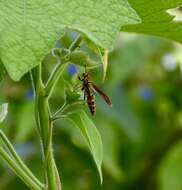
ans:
x=156 y=20
x=29 y=29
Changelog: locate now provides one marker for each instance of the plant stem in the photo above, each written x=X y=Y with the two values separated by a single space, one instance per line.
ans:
x=45 y=124
x=53 y=175
x=43 y=117
x=18 y=160
x=12 y=164
x=55 y=75
x=76 y=43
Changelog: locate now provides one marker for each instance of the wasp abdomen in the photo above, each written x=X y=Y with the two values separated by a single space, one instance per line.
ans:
x=91 y=104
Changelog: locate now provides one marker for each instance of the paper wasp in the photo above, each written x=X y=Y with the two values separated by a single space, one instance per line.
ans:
x=88 y=87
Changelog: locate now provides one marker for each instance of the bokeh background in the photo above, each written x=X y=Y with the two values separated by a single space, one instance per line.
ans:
x=141 y=133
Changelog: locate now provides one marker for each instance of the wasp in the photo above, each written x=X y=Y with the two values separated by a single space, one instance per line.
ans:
x=88 y=87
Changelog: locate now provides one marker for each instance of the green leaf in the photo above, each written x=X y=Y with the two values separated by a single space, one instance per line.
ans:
x=91 y=136
x=83 y=59
x=155 y=19
x=71 y=96
x=29 y=29
x=111 y=137
x=170 y=171
x=3 y=111
x=73 y=102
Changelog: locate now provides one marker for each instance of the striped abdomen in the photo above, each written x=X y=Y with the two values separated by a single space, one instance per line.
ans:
x=91 y=103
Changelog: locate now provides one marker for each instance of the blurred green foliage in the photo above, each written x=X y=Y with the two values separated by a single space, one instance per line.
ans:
x=141 y=133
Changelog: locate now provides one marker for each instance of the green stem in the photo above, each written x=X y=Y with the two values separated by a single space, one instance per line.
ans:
x=58 y=70
x=43 y=116
x=37 y=87
x=53 y=175
x=54 y=77
x=59 y=110
x=76 y=43
x=18 y=160
x=19 y=172
x=44 y=121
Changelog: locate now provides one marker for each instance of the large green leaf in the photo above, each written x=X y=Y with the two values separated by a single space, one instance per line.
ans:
x=155 y=19
x=91 y=136
x=29 y=29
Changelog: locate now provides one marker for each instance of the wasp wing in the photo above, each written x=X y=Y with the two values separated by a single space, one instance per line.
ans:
x=102 y=94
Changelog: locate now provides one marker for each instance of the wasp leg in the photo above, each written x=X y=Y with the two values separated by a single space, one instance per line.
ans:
x=79 y=78
x=82 y=89
x=84 y=97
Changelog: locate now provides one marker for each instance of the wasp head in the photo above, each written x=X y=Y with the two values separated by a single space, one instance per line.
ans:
x=85 y=75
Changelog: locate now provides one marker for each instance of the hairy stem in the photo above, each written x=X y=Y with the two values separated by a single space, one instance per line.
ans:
x=42 y=114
